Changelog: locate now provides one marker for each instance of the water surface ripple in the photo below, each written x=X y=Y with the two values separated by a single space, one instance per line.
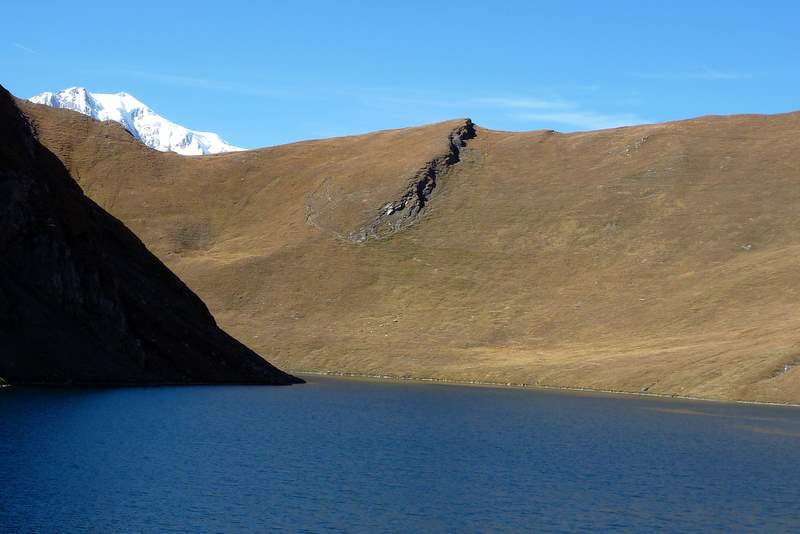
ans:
x=361 y=456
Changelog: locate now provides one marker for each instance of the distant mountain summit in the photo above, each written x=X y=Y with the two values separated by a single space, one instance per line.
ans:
x=142 y=122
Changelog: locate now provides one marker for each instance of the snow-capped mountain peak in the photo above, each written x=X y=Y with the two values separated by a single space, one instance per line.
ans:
x=142 y=122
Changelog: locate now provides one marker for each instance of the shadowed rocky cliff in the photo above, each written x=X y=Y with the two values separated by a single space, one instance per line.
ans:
x=82 y=301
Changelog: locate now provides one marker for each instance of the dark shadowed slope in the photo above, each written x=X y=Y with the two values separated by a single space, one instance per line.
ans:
x=82 y=301
x=659 y=258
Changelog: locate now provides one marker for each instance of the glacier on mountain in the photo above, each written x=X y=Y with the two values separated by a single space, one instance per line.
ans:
x=142 y=122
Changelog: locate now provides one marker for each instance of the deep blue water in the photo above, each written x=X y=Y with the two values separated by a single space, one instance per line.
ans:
x=360 y=456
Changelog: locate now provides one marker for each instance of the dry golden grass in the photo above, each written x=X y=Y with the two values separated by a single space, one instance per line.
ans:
x=659 y=258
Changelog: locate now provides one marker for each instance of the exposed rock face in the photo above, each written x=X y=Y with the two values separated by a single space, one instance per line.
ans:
x=402 y=213
x=82 y=301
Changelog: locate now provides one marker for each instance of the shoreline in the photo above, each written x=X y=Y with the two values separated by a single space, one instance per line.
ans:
x=512 y=385
x=499 y=385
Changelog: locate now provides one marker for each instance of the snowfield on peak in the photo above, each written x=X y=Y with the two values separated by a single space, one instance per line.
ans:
x=142 y=122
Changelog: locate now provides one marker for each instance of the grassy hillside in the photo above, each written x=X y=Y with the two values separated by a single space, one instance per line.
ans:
x=659 y=258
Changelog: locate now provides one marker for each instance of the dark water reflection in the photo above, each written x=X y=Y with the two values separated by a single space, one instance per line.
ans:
x=372 y=457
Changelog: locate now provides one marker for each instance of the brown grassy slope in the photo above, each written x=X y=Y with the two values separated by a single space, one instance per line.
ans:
x=658 y=258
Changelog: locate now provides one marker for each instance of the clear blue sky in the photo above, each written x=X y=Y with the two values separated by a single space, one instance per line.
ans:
x=263 y=73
